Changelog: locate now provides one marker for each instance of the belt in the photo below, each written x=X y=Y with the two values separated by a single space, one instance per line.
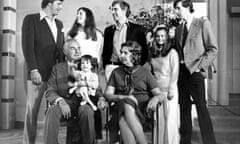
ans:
x=182 y=62
x=115 y=63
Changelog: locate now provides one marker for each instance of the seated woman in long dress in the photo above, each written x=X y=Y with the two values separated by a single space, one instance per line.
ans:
x=129 y=87
x=164 y=65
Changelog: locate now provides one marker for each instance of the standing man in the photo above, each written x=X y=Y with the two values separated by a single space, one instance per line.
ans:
x=42 y=43
x=197 y=49
x=120 y=32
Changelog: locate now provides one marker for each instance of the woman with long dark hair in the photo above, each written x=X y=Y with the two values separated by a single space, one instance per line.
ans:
x=85 y=32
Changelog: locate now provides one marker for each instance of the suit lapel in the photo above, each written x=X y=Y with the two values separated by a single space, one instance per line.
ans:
x=193 y=30
x=46 y=27
x=129 y=31
x=179 y=35
x=192 y=36
x=59 y=31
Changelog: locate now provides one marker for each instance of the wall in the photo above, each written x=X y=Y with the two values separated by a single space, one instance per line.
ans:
x=235 y=46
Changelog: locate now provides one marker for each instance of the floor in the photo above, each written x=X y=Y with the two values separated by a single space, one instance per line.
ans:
x=15 y=136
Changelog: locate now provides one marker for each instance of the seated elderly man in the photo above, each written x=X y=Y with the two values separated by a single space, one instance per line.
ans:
x=65 y=105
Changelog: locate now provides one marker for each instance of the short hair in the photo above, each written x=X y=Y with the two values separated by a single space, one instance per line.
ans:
x=66 y=45
x=185 y=3
x=136 y=50
x=123 y=5
x=45 y=2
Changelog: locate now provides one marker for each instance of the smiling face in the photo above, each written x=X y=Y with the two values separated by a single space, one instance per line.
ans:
x=81 y=17
x=126 y=56
x=181 y=11
x=55 y=7
x=118 y=13
x=86 y=65
x=161 y=37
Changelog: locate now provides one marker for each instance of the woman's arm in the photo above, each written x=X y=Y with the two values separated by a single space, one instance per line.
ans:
x=109 y=94
x=174 y=66
x=158 y=97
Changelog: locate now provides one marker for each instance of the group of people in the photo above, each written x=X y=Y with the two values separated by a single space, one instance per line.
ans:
x=140 y=74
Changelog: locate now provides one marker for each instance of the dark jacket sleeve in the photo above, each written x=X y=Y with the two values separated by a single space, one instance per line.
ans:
x=52 y=86
x=143 y=42
x=107 y=45
x=28 y=47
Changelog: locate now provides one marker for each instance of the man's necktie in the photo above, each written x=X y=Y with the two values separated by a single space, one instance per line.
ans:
x=185 y=33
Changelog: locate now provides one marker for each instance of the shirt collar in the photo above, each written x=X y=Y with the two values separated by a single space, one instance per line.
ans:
x=45 y=15
x=120 y=27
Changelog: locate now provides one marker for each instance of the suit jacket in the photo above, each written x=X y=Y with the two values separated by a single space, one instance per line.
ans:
x=200 y=48
x=39 y=48
x=134 y=33
x=57 y=85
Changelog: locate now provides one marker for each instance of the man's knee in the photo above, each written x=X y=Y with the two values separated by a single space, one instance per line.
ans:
x=85 y=111
x=54 y=111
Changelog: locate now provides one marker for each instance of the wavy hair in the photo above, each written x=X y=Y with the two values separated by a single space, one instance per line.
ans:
x=89 y=27
x=134 y=48
x=160 y=50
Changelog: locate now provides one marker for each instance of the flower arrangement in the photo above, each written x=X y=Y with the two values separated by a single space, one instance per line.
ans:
x=158 y=14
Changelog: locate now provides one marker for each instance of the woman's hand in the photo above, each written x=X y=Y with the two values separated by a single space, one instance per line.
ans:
x=152 y=104
x=170 y=97
x=160 y=98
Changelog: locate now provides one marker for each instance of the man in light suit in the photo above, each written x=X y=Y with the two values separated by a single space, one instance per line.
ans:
x=197 y=49
x=120 y=32
x=42 y=42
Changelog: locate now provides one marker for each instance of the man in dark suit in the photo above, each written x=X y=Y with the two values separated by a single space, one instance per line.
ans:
x=122 y=31
x=197 y=49
x=42 y=42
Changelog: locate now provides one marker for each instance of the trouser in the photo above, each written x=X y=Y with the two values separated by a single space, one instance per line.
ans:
x=192 y=86
x=85 y=116
x=34 y=98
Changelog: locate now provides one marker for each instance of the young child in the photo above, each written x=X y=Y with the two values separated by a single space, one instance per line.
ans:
x=85 y=79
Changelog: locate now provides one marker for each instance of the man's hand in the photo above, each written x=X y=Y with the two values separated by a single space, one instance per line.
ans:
x=36 y=77
x=82 y=92
x=65 y=108
x=102 y=104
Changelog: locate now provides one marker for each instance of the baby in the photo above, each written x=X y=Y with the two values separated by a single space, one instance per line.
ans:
x=85 y=79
